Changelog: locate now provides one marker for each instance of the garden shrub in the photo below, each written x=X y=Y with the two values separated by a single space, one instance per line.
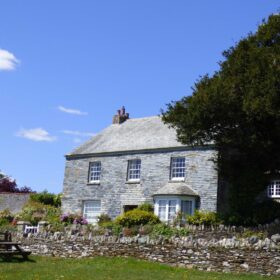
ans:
x=99 y=231
x=70 y=219
x=57 y=227
x=130 y=231
x=249 y=233
x=36 y=211
x=137 y=217
x=261 y=213
x=146 y=207
x=6 y=217
x=47 y=198
x=168 y=231
x=265 y=212
x=80 y=220
x=162 y=230
x=8 y=227
x=103 y=218
x=112 y=226
x=67 y=219
x=204 y=218
x=146 y=229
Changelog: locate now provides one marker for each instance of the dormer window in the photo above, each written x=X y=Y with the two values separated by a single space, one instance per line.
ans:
x=178 y=166
x=94 y=172
x=273 y=189
x=134 y=170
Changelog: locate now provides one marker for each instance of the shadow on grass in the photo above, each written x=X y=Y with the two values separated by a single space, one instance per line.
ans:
x=16 y=260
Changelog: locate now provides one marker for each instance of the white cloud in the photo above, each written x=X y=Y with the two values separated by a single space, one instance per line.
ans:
x=78 y=133
x=36 y=134
x=8 y=61
x=71 y=111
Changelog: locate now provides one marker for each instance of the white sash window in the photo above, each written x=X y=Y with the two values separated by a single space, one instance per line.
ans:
x=273 y=189
x=92 y=209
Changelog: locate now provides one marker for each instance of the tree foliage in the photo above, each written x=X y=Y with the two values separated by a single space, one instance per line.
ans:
x=238 y=109
x=8 y=185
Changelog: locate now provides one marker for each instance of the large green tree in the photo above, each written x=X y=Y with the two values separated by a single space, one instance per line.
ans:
x=238 y=109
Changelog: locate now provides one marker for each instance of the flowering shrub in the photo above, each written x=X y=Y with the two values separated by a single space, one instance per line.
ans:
x=79 y=220
x=69 y=219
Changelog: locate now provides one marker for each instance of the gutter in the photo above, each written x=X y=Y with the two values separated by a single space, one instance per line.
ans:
x=143 y=151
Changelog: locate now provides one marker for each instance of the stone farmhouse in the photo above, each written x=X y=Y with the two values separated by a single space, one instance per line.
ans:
x=135 y=161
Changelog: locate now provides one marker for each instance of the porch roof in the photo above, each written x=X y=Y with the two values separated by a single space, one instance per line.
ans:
x=176 y=189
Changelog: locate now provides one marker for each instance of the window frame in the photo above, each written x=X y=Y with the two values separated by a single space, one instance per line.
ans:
x=273 y=189
x=97 y=181
x=172 y=178
x=129 y=169
x=92 y=220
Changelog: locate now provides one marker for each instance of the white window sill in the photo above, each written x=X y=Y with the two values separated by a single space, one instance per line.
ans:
x=174 y=180
x=274 y=196
x=133 y=181
x=94 y=183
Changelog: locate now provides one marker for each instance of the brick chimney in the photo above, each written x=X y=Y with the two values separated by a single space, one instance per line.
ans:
x=121 y=116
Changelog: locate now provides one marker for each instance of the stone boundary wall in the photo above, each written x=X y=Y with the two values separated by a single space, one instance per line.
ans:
x=229 y=254
x=13 y=201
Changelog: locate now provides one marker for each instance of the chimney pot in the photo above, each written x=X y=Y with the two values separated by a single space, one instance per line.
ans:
x=121 y=116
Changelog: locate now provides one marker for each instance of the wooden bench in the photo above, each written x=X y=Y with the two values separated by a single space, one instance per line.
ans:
x=8 y=248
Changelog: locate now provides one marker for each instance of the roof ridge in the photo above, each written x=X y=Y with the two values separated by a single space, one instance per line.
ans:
x=142 y=118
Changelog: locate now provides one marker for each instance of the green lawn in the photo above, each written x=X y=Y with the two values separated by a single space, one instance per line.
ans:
x=105 y=268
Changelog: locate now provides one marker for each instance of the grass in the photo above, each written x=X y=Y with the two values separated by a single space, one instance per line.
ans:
x=47 y=268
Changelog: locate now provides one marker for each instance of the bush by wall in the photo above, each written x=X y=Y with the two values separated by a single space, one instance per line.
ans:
x=47 y=198
x=203 y=218
x=137 y=217
x=146 y=207
x=34 y=212
x=103 y=218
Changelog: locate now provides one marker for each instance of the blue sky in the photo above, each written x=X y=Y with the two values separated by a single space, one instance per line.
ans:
x=67 y=66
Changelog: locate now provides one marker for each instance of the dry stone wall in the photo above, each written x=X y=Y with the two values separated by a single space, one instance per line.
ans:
x=224 y=254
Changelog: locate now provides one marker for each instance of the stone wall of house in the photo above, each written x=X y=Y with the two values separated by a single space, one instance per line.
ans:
x=208 y=252
x=114 y=191
x=13 y=201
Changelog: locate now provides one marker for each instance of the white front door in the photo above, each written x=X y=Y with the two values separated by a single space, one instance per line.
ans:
x=92 y=209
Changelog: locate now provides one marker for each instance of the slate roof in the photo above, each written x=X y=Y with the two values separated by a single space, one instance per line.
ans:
x=176 y=189
x=132 y=135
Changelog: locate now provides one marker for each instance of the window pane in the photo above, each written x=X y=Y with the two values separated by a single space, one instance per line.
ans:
x=95 y=171
x=134 y=169
x=277 y=188
x=171 y=209
x=186 y=207
x=178 y=168
x=162 y=204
